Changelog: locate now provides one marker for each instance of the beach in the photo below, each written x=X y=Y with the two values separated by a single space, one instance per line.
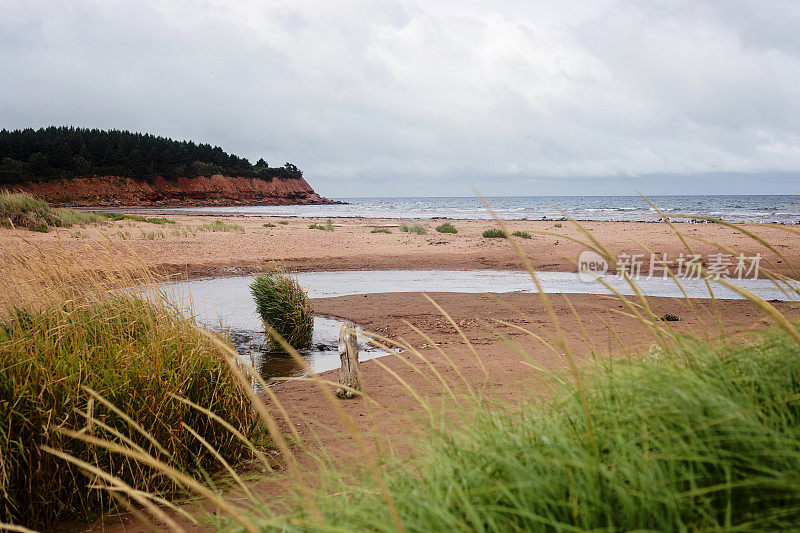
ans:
x=182 y=250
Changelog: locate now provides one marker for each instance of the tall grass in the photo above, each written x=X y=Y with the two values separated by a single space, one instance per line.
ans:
x=285 y=309
x=112 y=365
x=710 y=445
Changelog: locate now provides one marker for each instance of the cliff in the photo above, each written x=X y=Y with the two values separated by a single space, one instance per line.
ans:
x=216 y=190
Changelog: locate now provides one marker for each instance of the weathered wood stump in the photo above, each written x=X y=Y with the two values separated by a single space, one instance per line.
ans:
x=349 y=375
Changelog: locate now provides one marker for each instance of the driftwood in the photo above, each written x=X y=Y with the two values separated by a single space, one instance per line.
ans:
x=349 y=375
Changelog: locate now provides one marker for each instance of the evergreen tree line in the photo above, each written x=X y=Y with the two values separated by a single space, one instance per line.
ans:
x=66 y=152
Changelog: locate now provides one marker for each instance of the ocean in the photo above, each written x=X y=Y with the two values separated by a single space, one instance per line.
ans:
x=781 y=209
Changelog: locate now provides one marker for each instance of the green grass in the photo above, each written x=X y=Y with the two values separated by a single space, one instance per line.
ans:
x=557 y=224
x=709 y=444
x=446 y=228
x=136 y=352
x=269 y=225
x=381 y=230
x=219 y=225
x=283 y=222
x=494 y=233
x=416 y=228
x=116 y=217
x=284 y=306
x=522 y=234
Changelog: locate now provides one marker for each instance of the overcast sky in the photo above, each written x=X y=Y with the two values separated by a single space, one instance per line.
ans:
x=420 y=98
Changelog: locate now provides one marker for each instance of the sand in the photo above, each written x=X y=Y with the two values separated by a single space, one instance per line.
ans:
x=352 y=246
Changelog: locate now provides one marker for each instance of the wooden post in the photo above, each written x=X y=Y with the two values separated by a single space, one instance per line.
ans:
x=349 y=374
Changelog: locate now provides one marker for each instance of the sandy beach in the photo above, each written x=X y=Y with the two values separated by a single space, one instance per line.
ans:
x=181 y=250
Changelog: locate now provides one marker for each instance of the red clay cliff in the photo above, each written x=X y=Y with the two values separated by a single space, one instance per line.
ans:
x=199 y=191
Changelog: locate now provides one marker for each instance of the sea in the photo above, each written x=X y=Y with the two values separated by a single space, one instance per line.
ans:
x=780 y=209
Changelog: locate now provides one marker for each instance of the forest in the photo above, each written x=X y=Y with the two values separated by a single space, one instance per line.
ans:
x=54 y=153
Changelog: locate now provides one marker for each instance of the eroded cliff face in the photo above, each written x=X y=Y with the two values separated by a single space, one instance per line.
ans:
x=199 y=191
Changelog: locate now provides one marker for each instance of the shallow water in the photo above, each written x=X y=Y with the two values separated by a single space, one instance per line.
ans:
x=226 y=302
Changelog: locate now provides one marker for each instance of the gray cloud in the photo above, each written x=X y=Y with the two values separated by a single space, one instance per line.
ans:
x=417 y=98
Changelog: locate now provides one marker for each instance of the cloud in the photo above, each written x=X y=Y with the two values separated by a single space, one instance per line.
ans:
x=390 y=97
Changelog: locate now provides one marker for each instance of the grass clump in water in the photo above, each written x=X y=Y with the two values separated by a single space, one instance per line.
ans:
x=416 y=228
x=446 y=228
x=708 y=444
x=97 y=364
x=219 y=225
x=381 y=230
x=494 y=233
x=522 y=234
x=284 y=306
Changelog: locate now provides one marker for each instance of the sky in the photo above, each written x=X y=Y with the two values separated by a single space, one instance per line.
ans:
x=431 y=98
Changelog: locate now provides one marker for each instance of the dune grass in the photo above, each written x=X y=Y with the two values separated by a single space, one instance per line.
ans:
x=521 y=234
x=21 y=210
x=415 y=228
x=285 y=309
x=219 y=225
x=114 y=366
x=269 y=225
x=381 y=230
x=446 y=228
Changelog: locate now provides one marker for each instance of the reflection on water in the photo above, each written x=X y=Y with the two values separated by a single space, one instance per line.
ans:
x=226 y=303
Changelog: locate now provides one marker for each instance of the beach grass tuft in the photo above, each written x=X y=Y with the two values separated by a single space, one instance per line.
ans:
x=381 y=230
x=446 y=228
x=328 y=226
x=284 y=306
x=415 y=228
x=269 y=225
x=494 y=233
x=219 y=225
x=521 y=234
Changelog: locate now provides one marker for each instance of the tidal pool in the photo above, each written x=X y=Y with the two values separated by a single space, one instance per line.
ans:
x=226 y=302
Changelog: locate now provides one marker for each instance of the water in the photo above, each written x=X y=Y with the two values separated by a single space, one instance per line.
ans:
x=781 y=209
x=226 y=302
